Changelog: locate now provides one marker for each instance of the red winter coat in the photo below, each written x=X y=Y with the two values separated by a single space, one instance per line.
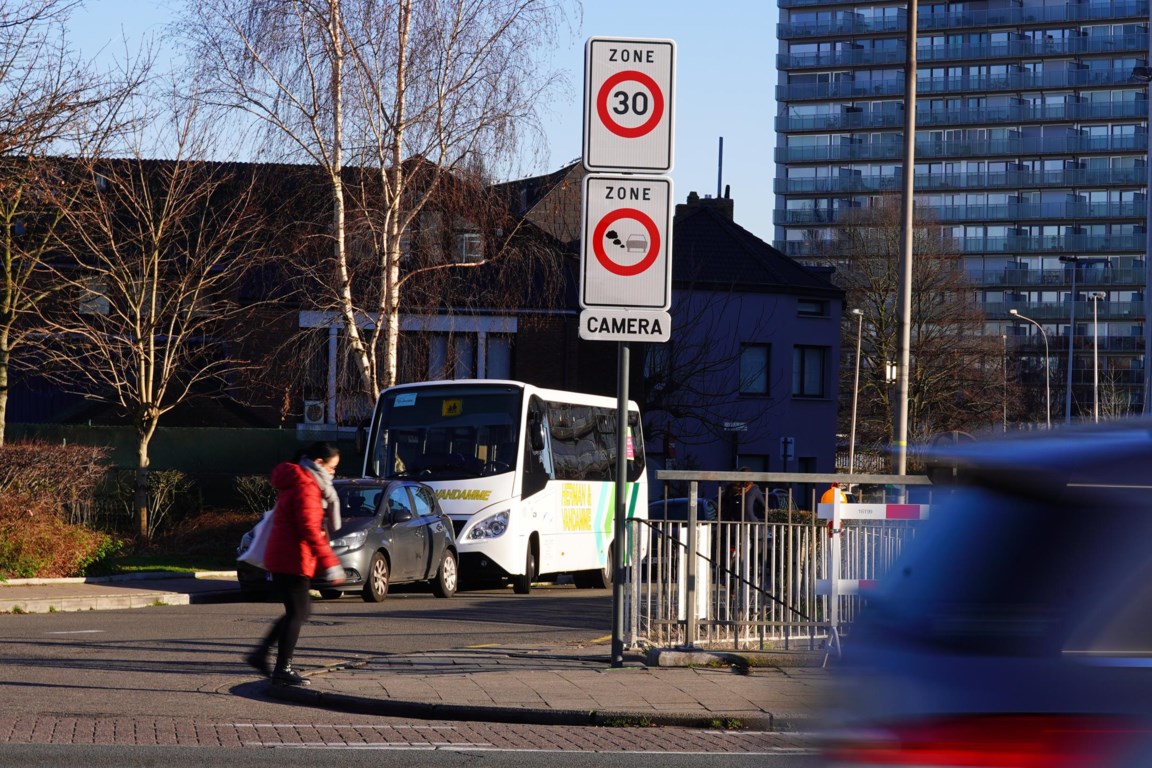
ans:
x=297 y=541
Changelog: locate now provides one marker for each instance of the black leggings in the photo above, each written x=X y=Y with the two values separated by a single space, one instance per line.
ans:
x=285 y=632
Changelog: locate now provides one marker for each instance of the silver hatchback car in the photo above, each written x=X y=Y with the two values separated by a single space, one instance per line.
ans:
x=392 y=532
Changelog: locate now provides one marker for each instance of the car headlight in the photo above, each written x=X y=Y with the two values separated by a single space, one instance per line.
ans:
x=351 y=541
x=245 y=542
x=490 y=527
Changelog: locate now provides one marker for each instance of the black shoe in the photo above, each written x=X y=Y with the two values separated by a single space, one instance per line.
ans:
x=289 y=676
x=258 y=660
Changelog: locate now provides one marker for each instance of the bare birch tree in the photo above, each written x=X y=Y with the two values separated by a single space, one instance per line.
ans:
x=49 y=100
x=415 y=95
x=149 y=314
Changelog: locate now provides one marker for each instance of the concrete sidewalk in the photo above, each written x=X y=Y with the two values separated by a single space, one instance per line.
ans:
x=578 y=686
x=569 y=685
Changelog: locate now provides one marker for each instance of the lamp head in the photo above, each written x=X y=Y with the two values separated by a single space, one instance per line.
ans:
x=1013 y=312
x=857 y=312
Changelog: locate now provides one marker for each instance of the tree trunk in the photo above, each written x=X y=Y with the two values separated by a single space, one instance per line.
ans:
x=144 y=432
x=5 y=358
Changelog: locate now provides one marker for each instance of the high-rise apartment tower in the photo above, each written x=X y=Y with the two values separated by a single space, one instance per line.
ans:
x=1031 y=149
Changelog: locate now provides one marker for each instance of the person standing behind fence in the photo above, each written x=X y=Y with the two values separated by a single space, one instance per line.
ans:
x=745 y=502
x=297 y=547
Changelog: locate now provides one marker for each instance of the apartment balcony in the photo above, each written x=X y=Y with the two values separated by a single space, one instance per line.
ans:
x=839 y=153
x=851 y=24
x=1030 y=13
x=937 y=86
x=926 y=55
x=1060 y=311
x=1015 y=81
x=1033 y=344
x=1041 y=212
x=842 y=89
x=1014 y=49
x=848 y=24
x=931 y=150
x=942 y=182
x=1136 y=109
x=927 y=118
x=1086 y=279
x=1017 y=244
x=986 y=214
x=1051 y=145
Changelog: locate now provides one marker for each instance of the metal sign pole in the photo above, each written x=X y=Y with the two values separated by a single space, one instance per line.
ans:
x=620 y=523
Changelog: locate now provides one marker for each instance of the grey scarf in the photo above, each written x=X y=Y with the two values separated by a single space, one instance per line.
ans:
x=331 y=499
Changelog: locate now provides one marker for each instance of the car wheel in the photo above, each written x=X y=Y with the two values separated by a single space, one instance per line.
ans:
x=376 y=588
x=330 y=594
x=597 y=578
x=447 y=576
x=522 y=584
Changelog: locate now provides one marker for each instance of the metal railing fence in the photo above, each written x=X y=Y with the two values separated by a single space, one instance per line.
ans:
x=754 y=585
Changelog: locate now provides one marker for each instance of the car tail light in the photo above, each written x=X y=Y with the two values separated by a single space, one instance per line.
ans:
x=994 y=741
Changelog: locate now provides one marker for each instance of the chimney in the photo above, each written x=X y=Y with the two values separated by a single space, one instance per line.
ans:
x=723 y=205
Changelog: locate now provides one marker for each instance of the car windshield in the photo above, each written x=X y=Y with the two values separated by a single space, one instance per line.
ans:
x=449 y=432
x=358 y=501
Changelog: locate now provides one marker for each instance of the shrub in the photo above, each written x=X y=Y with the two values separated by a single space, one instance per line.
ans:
x=36 y=542
x=65 y=475
x=168 y=490
x=257 y=492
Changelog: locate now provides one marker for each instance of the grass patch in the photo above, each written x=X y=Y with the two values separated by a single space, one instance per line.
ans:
x=727 y=724
x=630 y=722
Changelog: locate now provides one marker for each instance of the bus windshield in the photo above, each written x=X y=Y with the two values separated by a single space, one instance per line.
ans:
x=447 y=432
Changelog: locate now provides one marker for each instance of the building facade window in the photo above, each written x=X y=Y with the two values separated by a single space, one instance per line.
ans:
x=754 y=359
x=808 y=371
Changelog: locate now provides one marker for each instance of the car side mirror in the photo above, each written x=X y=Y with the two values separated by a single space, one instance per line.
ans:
x=401 y=515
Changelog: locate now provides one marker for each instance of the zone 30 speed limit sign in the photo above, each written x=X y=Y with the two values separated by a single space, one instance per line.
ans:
x=628 y=105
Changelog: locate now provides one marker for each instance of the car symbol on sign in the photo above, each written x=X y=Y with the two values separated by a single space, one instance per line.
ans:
x=636 y=243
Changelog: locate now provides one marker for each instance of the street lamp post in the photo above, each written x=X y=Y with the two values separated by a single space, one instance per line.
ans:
x=855 y=394
x=1047 y=366
x=1095 y=296
x=1075 y=262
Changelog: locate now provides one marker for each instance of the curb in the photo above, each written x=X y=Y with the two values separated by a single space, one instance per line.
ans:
x=416 y=710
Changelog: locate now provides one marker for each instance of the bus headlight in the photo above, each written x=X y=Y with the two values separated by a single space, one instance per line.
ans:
x=490 y=527
x=351 y=541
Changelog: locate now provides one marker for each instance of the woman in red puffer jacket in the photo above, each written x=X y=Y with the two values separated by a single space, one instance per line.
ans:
x=297 y=546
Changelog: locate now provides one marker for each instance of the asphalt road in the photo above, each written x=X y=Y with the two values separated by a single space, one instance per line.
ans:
x=112 y=687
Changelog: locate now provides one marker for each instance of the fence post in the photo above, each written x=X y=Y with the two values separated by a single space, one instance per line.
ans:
x=690 y=635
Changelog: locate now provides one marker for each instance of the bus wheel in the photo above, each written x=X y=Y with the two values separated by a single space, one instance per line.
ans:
x=522 y=584
x=376 y=588
x=597 y=578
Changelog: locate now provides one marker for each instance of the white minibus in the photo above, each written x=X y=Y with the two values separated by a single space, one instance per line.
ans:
x=528 y=475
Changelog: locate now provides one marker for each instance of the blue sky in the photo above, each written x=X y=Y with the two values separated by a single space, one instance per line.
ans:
x=725 y=74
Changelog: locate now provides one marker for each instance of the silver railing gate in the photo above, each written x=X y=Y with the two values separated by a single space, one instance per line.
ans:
x=747 y=586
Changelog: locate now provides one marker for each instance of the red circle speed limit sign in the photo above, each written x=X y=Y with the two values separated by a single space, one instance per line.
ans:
x=615 y=103
x=628 y=88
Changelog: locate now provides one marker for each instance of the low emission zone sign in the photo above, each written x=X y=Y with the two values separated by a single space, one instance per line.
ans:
x=626 y=258
x=628 y=95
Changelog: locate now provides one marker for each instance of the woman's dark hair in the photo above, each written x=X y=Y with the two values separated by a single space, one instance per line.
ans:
x=321 y=450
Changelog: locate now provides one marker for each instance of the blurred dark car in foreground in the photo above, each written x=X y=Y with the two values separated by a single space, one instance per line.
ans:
x=392 y=532
x=1017 y=629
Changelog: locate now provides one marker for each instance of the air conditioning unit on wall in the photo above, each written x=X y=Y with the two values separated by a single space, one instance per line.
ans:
x=313 y=411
